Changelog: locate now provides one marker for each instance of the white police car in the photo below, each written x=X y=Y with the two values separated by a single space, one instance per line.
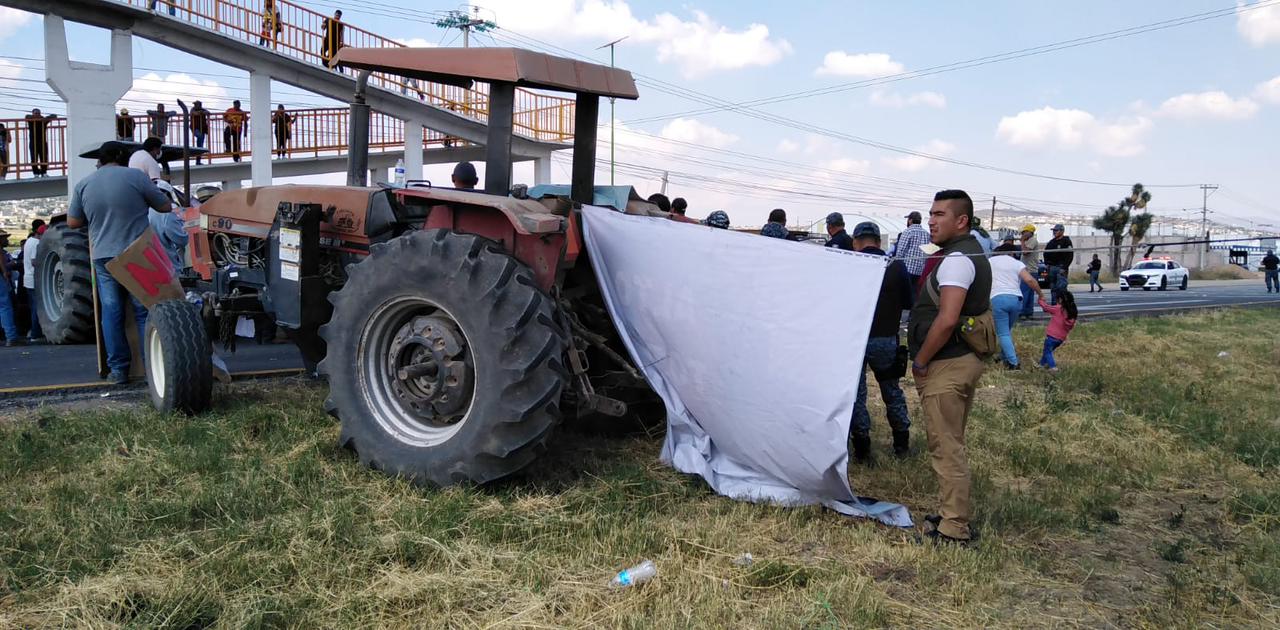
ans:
x=1155 y=273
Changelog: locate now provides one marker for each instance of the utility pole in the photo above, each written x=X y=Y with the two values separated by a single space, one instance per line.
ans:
x=460 y=20
x=612 y=101
x=664 y=182
x=993 y=214
x=1204 y=220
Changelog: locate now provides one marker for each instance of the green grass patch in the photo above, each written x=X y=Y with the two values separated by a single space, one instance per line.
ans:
x=1136 y=487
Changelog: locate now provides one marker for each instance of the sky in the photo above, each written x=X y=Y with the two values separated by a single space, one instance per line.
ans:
x=874 y=93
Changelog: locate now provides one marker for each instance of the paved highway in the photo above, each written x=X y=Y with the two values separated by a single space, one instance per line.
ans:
x=43 y=367
x=38 y=367
x=1113 y=302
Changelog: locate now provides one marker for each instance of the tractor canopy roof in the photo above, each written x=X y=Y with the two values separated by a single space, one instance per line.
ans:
x=169 y=153
x=462 y=66
x=616 y=197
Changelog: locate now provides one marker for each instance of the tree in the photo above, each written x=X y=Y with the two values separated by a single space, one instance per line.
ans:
x=1119 y=221
x=1138 y=226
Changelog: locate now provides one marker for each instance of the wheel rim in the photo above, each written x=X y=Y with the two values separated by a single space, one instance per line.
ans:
x=51 y=291
x=155 y=360
x=416 y=371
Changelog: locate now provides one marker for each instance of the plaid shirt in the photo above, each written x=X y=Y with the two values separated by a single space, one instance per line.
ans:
x=907 y=248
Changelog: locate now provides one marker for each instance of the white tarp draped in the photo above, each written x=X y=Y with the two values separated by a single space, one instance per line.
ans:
x=722 y=325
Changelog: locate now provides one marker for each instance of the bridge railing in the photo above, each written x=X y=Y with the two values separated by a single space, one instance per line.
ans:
x=300 y=34
x=18 y=159
x=313 y=133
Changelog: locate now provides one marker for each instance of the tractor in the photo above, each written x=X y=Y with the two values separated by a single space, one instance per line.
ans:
x=455 y=328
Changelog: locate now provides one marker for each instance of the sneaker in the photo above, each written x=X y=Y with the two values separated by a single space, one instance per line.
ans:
x=1011 y=366
x=118 y=378
x=38 y=341
x=11 y=343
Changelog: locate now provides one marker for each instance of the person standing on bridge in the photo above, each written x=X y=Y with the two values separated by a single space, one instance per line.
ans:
x=282 y=123
x=113 y=202
x=271 y=25
x=38 y=141
x=4 y=151
x=331 y=37
x=233 y=129
x=198 y=120
x=124 y=126
x=158 y=122
x=1271 y=268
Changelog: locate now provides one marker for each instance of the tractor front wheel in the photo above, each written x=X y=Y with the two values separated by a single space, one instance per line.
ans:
x=178 y=358
x=444 y=360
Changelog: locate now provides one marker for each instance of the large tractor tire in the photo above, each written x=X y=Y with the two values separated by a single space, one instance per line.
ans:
x=179 y=359
x=64 y=285
x=444 y=360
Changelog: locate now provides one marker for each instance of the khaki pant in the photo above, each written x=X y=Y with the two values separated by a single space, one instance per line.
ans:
x=946 y=395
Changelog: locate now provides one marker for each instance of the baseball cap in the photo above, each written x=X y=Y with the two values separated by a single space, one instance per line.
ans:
x=1028 y=228
x=835 y=218
x=464 y=171
x=866 y=228
x=1059 y=228
x=914 y=215
x=718 y=219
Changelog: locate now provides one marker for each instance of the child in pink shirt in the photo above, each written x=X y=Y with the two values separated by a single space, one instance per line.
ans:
x=1062 y=318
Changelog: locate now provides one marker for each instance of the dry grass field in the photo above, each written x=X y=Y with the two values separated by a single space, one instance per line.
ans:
x=1137 y=487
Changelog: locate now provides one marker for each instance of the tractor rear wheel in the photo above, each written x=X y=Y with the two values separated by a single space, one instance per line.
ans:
x=64 y=285
x=178 y=357
x=444 y=360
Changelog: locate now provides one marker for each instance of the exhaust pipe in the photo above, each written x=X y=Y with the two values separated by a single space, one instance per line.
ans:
x=358 y=135
x=186 y=151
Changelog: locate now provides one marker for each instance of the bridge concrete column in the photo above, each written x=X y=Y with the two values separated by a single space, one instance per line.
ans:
x=542 y=170
x=413 y=149
x=260 y=128
x=231 y=184
x=377 y=176
x=90 y=91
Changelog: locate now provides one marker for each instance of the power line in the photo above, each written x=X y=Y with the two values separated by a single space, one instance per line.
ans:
x=971 y=63
x=809 y=128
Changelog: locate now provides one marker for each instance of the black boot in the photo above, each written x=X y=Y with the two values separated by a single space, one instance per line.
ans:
x=901 y=443
x=862 y=448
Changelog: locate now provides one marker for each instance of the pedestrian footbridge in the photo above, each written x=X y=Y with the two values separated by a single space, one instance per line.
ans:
x=417 y=121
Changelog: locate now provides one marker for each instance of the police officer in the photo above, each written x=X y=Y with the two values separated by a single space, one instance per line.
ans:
x=840 y=239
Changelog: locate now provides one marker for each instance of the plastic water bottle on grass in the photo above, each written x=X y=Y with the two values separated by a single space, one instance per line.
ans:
x=638 y=574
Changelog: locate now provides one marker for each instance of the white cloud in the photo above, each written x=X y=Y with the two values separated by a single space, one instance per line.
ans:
x=417 y=42
x=1053 y=128
x=788 y=146
x=1268 y=91
x=1259 y=27
x=914 y=163
x=11 y=20
x=881 y=98
x=698 y=46
x=866 y=65
x=847 y=165
x=697 y=132
x=151 y=88
x=1215 y=104
x=10 y=70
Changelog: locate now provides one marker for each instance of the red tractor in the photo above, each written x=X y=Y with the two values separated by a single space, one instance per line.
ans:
x=455 y=328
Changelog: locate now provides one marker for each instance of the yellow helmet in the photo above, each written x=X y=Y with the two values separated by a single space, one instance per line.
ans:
x=1028 y=228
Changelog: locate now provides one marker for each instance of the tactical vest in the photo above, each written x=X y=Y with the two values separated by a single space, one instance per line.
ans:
x=976 y=301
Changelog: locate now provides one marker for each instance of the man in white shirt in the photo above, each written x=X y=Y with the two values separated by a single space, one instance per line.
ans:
x=29 y=249
x=144 y=159
x=956 y=284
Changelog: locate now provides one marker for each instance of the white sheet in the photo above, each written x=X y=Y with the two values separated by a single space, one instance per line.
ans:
x=722 y=325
